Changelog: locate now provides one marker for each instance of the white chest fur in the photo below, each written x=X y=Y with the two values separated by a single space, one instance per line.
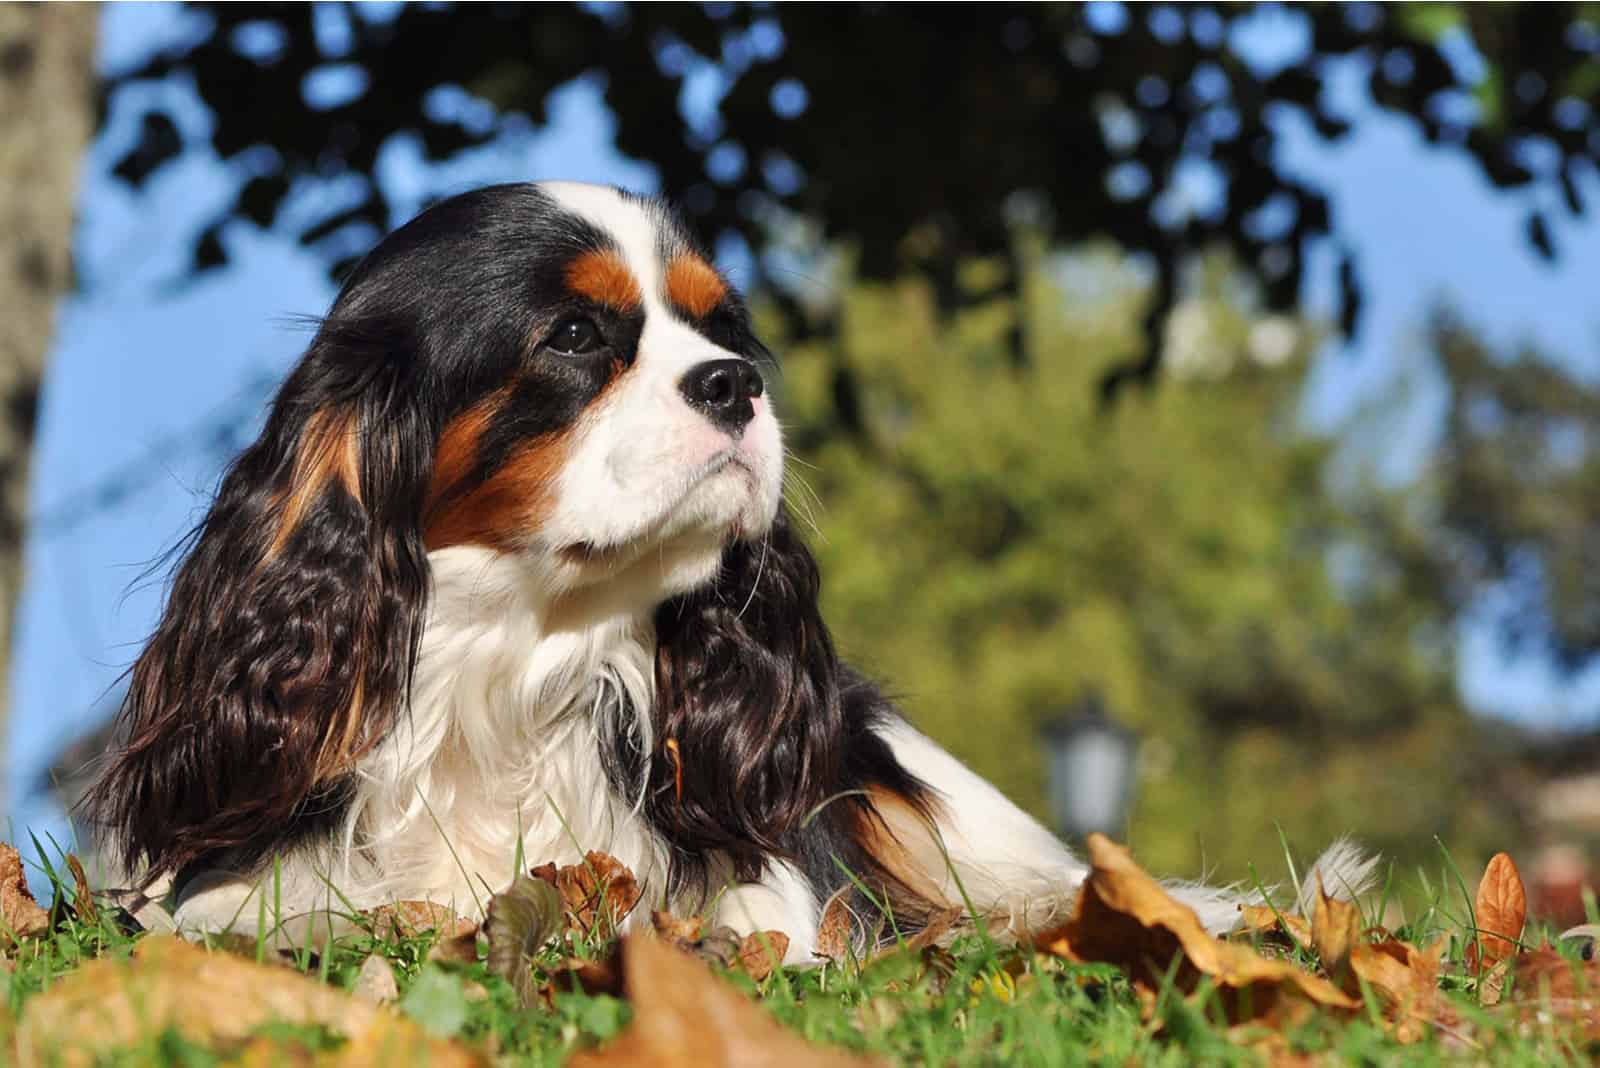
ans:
x=510 y=708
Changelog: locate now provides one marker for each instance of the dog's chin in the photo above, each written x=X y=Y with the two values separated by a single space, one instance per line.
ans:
x=681 y=550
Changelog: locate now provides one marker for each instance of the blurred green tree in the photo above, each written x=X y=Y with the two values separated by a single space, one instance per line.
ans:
x=920 y=134
x=1516 y=480
x=993 y=544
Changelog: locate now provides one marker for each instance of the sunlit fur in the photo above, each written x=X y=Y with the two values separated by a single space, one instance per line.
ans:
x=475 y=598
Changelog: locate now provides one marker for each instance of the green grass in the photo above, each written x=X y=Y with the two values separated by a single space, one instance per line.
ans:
x=973 y=1004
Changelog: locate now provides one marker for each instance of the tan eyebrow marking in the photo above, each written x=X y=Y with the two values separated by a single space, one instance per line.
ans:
x=603 y=276
x=694 y=286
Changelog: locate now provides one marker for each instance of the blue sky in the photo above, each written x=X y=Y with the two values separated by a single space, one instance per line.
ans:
x=141 y=364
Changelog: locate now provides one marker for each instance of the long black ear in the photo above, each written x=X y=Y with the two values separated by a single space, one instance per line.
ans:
x=750 y=726
x=286 y=646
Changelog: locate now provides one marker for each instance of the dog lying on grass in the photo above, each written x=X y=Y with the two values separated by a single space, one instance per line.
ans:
x=508 y=576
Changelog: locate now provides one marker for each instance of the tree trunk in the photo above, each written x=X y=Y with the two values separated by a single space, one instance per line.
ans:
x=47 y=85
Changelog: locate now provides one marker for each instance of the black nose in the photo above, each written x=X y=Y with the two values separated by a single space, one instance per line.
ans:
x=723 y=389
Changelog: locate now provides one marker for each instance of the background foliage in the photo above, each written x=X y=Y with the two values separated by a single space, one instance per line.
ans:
x=948 y=122
x=995 y=544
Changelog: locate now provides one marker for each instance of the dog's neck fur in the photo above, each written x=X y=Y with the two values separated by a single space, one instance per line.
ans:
x=512 y=702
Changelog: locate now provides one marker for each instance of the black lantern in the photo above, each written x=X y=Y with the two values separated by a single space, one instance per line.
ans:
x=1090 y=764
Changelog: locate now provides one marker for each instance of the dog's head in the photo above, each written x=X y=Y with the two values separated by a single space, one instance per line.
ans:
x=552 y=373
x=592 y=384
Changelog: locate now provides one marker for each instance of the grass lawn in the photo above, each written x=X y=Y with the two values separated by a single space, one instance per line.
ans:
x=972 y=1002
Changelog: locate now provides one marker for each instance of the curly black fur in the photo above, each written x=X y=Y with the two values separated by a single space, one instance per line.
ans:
x=774 y=748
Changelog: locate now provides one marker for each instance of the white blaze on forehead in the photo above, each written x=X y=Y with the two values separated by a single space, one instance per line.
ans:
x=646 y=468
x=638 y=226
x=635 y=225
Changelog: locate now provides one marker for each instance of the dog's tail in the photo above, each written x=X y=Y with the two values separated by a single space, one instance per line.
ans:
x=1346 y=871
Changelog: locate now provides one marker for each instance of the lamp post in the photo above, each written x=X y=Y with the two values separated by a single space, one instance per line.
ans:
x=1090 y=761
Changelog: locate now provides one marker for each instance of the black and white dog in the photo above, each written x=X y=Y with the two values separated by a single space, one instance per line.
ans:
x=510 y=564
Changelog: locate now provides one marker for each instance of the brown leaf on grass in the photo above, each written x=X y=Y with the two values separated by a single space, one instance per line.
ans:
x=20 y=914
x=209 y=998
x=1550 y=987
x=1335 y=930
x=1406 y=979
x=678 y=931
x=409 y=919
x=722 y=944
x=82 y=897
x=835 y=927
x=1124 y=917
x=596 y=894
x=761 y=953
x=521 y=919
x=1492 y=984
x=1501 y=909
x=1544 y=972
x=599 y=975
x=1261 y=920
x=684 y=1017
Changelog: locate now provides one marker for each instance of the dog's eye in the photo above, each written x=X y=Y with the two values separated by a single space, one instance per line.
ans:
x=574 y=337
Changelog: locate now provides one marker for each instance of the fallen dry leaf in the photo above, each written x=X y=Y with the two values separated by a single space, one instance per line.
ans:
x=82 y=897
x=685 y=1017
x=408 y=919
x=678 y=931
x=521 y=919
x=1261 y=920
x=1335 y=930
x=761 y=953
x=599 y=975
x=1406 y=979
x=1501 y=909
x=1492 y=984
x=1544 y=972
x=723 y=944
x=20 y=914
x=1551 y=987
x=208 y=998
x=835 y=927
x=597 y=894
x=1124 y=917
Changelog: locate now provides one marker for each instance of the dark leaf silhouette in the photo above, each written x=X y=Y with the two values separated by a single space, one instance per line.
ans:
x=1082 y=112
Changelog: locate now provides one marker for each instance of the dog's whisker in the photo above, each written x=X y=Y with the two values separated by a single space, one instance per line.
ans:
x=761 y=566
